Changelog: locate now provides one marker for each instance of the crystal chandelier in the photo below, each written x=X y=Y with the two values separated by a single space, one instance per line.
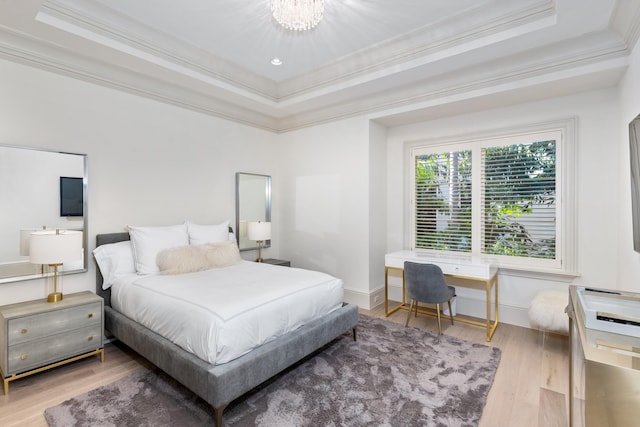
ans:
x=298 y=15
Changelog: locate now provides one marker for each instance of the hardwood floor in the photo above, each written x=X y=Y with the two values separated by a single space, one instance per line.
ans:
x=530 y=387
x=28 y=397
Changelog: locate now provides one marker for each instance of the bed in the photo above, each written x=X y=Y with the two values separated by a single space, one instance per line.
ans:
x=220 y=383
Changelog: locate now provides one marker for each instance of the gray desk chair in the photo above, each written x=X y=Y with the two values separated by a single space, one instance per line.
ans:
x=425 y=283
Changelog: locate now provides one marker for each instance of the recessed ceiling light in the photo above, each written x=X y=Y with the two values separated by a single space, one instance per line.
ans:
x=276 y=61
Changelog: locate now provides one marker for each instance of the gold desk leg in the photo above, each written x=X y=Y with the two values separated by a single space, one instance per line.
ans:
x=403 y=304
x=492 y=328
x=487 y=285
x=496 y=303
x=386 y=291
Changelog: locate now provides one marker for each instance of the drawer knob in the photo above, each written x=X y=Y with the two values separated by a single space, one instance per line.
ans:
x=90 y=338
x=90 y=315
x=23 y=356
x=24 y=331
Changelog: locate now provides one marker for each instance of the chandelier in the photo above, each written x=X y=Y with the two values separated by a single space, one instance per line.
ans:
x=298 y=15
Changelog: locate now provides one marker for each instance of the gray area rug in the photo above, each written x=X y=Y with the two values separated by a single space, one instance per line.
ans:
x=392 y=376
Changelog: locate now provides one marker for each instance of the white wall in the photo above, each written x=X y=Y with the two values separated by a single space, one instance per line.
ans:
x=149 y=163
x=628 y=268
x=326 y=202
x=377 y=211
x=598 y=169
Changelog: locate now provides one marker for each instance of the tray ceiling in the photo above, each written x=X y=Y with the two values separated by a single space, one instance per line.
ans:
x=396 y=61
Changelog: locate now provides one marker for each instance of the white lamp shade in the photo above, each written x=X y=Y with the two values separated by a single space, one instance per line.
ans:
x=51 y=247
x=259 y=230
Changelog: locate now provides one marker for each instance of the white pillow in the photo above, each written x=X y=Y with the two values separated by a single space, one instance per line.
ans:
x=115 y=260
x=201 y=234
x=148 y=241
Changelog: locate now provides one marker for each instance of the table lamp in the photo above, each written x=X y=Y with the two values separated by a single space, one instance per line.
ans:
x=54 y=248
x=260 y=232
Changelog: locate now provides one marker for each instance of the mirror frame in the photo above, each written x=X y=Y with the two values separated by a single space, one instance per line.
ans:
x=267 y=206
x=85 y=218
x=634 y=157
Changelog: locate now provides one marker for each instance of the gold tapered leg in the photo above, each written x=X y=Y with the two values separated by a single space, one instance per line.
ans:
x=409 y=313
x=439 y=325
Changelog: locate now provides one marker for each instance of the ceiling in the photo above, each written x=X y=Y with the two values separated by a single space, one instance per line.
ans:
x=397 y=61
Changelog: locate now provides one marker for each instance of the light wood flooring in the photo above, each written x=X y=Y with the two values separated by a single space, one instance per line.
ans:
x=530 y=387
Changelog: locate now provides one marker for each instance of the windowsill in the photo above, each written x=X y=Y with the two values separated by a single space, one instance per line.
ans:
x=554 y=275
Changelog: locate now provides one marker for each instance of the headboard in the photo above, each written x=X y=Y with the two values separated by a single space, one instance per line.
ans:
x=103 y=239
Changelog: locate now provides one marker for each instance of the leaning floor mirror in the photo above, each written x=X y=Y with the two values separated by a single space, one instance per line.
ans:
x=253 y=203
x=39 y=190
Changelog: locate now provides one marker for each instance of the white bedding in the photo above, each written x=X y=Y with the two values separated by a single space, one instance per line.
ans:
x=221 y=314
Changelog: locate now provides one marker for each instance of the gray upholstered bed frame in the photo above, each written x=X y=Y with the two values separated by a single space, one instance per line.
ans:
x=220 y=384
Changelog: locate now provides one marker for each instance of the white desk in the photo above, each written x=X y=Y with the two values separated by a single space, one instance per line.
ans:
x=467 y=267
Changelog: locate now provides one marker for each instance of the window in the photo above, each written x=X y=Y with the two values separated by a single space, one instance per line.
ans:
x=502 y=197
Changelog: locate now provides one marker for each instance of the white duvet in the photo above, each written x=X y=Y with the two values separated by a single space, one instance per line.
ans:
x=221 y=314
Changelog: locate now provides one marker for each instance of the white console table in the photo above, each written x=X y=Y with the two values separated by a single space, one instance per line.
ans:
x=467 y=267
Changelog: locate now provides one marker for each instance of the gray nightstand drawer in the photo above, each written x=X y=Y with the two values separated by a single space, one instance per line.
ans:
x=27 y=328
x=28 y=355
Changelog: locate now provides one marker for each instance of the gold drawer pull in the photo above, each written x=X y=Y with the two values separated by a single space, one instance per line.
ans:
x=90 y=315
x=90 y=338
x=23 y=356
x=24 y=331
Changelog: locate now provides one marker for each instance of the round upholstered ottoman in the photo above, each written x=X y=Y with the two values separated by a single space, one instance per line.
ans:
x=546 y=312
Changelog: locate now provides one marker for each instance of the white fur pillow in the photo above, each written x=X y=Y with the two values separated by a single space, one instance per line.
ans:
x=188 y=259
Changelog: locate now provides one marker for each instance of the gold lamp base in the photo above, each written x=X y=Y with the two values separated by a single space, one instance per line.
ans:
x=54 y=297
x=259 y=259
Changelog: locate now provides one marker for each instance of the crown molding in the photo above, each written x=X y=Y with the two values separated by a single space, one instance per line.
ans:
x=92 y=21
x=537 y=66
x=625 y=20
x=600 y=56
x=24 y=49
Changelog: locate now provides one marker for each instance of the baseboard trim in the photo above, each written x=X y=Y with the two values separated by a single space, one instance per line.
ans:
x=364 y=300
x=508 y=313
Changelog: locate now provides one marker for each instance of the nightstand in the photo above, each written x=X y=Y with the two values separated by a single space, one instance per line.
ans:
x=39 y=335
x=277 y=262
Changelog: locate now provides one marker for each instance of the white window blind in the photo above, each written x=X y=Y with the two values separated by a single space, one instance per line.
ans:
x=519 y=200
x=443 y=201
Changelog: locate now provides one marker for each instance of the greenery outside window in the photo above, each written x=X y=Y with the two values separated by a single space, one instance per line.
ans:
x=502 y=197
